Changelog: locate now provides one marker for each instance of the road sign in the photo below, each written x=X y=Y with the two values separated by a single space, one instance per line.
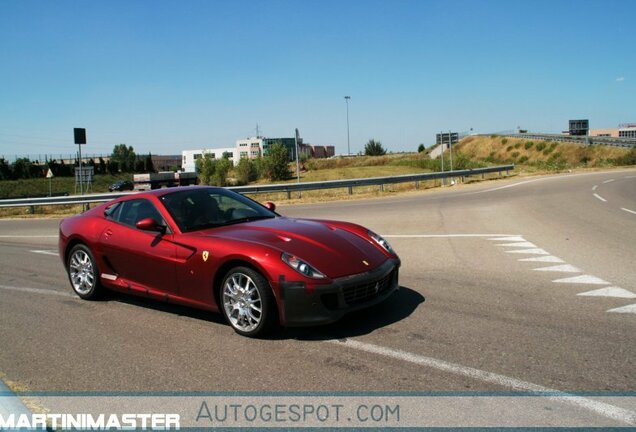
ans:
x=49 y=174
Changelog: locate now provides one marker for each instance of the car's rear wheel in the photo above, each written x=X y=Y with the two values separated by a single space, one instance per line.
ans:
x=83 y=272
x=247 y=302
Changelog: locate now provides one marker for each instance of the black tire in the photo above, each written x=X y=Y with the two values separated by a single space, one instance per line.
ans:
x=247 y=302
x=83 y=273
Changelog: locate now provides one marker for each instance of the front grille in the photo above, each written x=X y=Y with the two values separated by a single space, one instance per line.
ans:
x=356 y=294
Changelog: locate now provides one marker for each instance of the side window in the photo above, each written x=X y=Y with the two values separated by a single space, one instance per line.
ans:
x=112 y=211
x=133 y=211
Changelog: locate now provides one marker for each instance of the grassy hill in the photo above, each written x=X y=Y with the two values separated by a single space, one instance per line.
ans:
x=543 y=155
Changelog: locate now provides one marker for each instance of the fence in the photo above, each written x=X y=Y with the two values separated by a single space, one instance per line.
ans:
x=269 y=188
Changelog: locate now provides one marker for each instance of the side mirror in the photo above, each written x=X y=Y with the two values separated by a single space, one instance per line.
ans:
x=149 y=224
x=270 y=206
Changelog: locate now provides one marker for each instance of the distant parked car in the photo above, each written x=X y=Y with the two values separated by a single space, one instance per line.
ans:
x=121 y=185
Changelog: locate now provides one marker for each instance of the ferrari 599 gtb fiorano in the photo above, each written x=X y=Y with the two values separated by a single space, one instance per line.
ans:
x=214 y=249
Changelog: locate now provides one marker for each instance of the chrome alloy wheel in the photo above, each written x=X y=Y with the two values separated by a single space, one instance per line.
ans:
x=242 y=302
x=81 y=272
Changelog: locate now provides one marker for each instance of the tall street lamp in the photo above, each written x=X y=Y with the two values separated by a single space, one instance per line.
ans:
x=348 y=145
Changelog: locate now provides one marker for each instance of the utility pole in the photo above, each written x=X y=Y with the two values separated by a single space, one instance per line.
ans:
x=347 y=98
x=297 y=156
x=450 y=151
x=441 y=143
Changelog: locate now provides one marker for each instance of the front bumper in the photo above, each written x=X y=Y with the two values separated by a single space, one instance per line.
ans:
x=323 y=304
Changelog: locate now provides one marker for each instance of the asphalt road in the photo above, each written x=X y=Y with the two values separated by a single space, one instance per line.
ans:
x=467 y=303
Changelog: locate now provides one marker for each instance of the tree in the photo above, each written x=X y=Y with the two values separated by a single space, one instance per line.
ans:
x=125 y=158
x=421 y=148
x=5 y=170
x=374 y=148
x=246 y=171
x=213 y=171
x=276 y=163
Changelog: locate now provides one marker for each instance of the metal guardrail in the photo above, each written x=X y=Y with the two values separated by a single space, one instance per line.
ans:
x=611 y=141
x=272 y=188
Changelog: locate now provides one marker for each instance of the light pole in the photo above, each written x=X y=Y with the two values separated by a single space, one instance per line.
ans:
x=348 y=144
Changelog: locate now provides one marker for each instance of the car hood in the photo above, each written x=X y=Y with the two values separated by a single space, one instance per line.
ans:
x=331 y=250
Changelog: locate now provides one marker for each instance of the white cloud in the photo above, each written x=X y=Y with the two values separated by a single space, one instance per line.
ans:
x=620 y=79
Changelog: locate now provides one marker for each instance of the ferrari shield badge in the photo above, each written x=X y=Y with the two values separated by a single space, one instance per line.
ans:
x=205 y=255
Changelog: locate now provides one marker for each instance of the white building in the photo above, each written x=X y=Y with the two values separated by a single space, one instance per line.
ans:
x=250 y=148
x=190 y=157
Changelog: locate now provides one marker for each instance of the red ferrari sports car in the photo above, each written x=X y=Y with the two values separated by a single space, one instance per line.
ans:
x=215 y=249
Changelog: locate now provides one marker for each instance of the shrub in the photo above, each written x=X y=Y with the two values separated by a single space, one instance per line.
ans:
x=629 y=158
x=528 y=144
x=508 y=148
x=548 y=150
x=504 y=141
x=246 y=171
x=515 y=154
x=517 y=145
x=540 y=146
x=523 y=159
x=374 y=148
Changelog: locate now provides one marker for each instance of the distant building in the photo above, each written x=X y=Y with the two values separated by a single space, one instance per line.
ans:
x=579 y=127
x=190 y=157
x=166 y=162
x=255 y=147
x=625 y=130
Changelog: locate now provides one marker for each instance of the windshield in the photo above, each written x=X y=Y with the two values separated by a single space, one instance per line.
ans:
x=200 y=208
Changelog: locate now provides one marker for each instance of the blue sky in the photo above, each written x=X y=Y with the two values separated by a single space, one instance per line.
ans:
x=165 y=76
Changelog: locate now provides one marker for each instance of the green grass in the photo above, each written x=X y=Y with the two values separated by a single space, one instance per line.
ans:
x=59 y=185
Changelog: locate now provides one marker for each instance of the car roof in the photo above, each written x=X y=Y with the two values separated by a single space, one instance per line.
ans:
x=166 y=191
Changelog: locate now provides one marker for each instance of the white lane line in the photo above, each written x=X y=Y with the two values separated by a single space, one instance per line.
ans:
x=600 y=197
x=594 y=187
x=565 y=268
x=624 y=309
x=583 y=279
x=608 y=181
x=45 y=252
x=509 y=239
x=630 y=177
x=628 y=210
x=509 y=186
x=609 y=292
x=36 y=291
x=546 y=259
x=439 y=235
x=519 y=244
x=28 y=236
x=602 y=408
x=536 y=251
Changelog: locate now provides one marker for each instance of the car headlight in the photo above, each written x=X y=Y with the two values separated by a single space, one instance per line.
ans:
x=383 y=243
x=301 y=266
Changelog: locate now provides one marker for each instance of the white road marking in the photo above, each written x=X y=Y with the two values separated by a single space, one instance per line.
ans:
x=600 y=197
x=608 y=181
x=547 y=259
x=624 y=309
x=509 y=186
x=509 y=239
x=36 y=291
x=519 y=244
x=28 y=236
x=628 y=210
x=536 y=251
x=594 y=187
x=439 y=235
x=609 y=292
x=46 y=252
x=630 y=177
x=583 y=279
x=565 y=268
x=602 y=408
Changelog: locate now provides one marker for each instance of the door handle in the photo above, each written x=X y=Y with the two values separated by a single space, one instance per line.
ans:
x=109 y=232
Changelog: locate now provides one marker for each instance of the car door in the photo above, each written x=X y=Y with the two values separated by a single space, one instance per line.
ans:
x=144 y=259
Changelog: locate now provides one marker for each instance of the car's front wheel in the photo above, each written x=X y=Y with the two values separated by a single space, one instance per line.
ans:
x=247 y=302
x=83 y=272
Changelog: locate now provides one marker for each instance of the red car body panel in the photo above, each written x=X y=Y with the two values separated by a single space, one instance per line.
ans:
x=187 y=267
